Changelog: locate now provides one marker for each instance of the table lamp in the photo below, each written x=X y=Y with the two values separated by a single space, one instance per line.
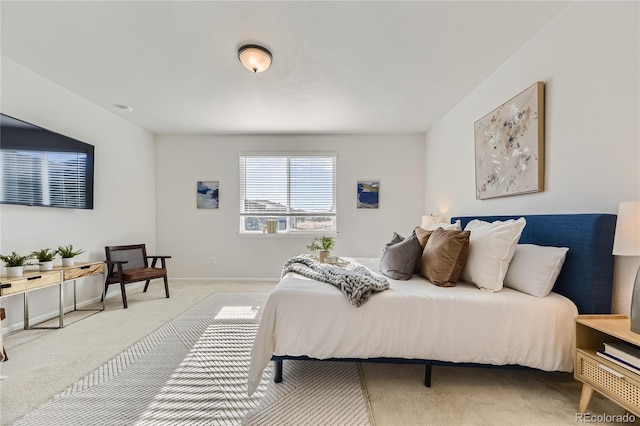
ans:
x=428 y=220
x=627 y=243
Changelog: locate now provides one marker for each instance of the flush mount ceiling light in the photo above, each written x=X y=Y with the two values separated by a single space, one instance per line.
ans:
x=254 y=58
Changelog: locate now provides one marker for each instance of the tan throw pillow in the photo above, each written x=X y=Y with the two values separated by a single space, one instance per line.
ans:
x=444 y=256
x=423 y=235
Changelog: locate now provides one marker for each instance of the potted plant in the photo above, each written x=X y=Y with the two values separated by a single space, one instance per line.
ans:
x=68 y=253
x=45 y=258
x=323 y=246
x=15 y=263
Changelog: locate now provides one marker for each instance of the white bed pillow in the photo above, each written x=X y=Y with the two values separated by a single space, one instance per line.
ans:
x=491 y=248
x=534 y=269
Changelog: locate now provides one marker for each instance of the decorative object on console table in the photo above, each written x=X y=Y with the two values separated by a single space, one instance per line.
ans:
x=509 y=146
x=368 y=194
x=627 y=243
x=207 y=194
x=68 y=254
x=45 y=258
x=15 y=263
x=323 y=246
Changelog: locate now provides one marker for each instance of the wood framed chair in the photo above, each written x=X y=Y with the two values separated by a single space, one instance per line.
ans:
x=129 y=264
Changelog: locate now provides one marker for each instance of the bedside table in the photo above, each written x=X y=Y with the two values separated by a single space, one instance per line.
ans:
x=614 y=382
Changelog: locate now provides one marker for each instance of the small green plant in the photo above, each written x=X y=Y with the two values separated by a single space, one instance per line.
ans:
x=322 y=244
x=44 y=255
x=15 y=259
x=68 y=252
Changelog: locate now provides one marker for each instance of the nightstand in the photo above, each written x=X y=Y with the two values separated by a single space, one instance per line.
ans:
x=614 y=382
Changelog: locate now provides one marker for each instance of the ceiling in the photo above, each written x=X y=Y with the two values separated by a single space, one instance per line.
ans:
x=338 y=67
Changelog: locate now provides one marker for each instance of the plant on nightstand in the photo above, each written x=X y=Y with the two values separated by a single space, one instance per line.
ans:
x=68 y=253
x=45 y=258
x=323 y=246
x=15 y=263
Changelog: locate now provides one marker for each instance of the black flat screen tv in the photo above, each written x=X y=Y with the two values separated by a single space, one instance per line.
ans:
x=39 y=167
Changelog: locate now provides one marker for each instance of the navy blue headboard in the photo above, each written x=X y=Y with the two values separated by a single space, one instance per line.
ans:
x=587 y=274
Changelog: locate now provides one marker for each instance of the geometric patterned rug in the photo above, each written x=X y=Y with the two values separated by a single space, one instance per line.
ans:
x=315 y=393
x=193 y=371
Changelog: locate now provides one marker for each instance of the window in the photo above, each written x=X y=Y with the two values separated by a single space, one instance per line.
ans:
x=287 y=193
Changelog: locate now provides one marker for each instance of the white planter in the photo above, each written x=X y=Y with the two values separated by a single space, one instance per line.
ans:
x=15 y=271
x=47 y=265
x=67 y=261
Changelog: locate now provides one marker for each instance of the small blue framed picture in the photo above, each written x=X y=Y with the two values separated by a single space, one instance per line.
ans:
x=208 y=194
x=368 y=194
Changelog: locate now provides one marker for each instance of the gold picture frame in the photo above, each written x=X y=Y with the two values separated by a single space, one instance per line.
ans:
x=509 y=146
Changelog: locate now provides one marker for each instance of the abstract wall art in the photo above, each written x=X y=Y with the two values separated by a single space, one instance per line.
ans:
x=368 y=194
x=509 y=146
x=207 y=194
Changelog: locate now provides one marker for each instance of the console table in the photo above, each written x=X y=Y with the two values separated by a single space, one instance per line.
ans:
x=34 y=280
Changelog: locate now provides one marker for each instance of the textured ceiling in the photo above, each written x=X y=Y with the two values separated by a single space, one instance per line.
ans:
x=338 y=67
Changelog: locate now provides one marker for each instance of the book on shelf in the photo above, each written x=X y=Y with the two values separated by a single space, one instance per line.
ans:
x=618 y=361
x=624 y=351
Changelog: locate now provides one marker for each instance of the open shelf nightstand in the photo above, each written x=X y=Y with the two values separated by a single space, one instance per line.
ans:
x=617 y=383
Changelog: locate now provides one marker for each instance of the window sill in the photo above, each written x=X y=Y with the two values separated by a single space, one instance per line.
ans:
x=287 y=234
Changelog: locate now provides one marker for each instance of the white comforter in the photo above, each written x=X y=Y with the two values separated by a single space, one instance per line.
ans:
x=415 y=319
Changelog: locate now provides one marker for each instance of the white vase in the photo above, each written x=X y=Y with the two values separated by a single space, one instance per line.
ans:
x=67 y=261
x=15 y=271
x=46 y=265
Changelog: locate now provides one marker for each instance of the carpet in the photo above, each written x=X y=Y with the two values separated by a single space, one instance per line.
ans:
x=193 y=371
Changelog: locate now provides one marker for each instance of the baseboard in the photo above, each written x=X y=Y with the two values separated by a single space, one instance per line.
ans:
x=230 y=280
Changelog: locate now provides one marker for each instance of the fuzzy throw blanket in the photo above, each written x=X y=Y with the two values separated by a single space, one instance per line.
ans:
x=355 y=281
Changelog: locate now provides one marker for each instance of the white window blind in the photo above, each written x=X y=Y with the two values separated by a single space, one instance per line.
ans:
x=297 y=191
x=44 y=178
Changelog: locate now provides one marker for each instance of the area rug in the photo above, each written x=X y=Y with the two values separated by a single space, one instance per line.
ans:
x=193 y=371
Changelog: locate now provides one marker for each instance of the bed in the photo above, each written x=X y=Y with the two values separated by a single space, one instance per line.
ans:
x=417 y=322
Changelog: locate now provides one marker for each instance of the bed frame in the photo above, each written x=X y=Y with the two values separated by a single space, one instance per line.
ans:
x=586 y=277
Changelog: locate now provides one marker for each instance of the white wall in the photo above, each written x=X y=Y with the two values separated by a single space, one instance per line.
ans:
x=191 y=236
x=588 y=58
x=124 y=187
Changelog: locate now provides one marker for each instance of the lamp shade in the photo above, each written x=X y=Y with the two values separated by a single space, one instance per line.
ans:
x=254 y=58
x=627 y=238
x=428 y=220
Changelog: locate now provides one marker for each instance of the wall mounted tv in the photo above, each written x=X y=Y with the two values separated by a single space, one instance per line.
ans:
x=39 y=167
